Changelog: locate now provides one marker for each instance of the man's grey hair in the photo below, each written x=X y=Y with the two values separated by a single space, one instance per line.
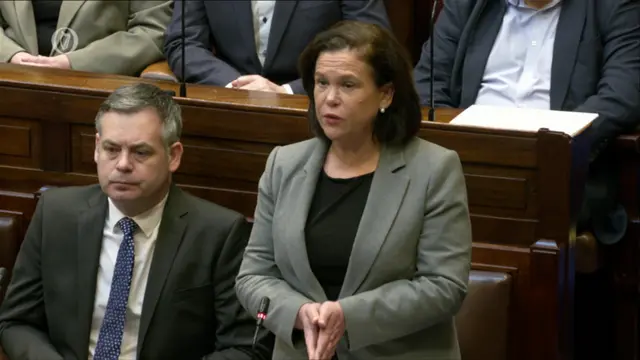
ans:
x=131 y=99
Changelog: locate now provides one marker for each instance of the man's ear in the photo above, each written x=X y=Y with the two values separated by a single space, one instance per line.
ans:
x=175 y=156
x=95 y=151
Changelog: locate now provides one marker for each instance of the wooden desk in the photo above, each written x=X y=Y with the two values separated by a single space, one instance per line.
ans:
x=519 y=184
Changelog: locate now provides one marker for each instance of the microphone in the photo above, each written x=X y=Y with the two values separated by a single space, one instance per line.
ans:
x=261 y=316
x=183 y=84
x=432 y=110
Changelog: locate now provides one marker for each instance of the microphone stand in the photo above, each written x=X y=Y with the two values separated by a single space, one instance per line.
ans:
x=183 y=84
x=432 y=110
x=260 y=317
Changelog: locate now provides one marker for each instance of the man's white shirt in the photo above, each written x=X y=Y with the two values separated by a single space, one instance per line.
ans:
x=145 y=242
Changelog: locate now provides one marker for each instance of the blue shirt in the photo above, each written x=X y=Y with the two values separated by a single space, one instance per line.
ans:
x=518 y=71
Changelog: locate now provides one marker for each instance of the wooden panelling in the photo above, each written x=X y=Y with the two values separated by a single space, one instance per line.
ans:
x=473 y=147
x=488 y=190
x=504 y=231
x=20 y=142
x=15 y=140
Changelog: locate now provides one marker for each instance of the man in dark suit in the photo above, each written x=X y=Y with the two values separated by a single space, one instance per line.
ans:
x=134 y=268
x=254 y=45
x=573 y=55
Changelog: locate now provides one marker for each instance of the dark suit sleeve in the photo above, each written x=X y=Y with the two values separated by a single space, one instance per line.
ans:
x=202 y=66
x=448 y=30
x=369 y=11
x=618 y=98
x=235 y=326
x=297 y=87
x=23 y=325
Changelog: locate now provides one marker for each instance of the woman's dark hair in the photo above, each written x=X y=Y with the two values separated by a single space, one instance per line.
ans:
x=390 y=64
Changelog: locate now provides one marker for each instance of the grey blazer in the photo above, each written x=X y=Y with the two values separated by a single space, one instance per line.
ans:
x=409 y=268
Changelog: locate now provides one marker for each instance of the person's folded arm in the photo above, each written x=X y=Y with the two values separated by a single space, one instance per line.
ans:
x=201 y=65
x=128 y=52
x=23 y=325
x=259 y=274
x=617 y=100
x=8 y=47
x=447 y=32
x=296 y=87
x=439 y=286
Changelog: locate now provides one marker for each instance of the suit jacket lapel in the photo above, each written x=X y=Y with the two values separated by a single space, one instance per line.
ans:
x=90 y=233
x=170 y=236
x=479 y=50
x=244 y=16
x=281 y=16
x=565 y=49
x=27 y=24
x=387 y=192
x=68 y=11
x=303 y=187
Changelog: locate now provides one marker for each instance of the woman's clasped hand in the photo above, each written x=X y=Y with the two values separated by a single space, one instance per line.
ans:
x=323 y=326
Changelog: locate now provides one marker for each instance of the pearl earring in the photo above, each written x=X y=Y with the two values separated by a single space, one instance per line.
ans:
x=382 y=110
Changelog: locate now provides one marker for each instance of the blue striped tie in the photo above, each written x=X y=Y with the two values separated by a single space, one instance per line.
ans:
x=110 y=337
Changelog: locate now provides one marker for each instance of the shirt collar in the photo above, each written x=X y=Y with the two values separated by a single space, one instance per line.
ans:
x=146 y=221
x=521 y=3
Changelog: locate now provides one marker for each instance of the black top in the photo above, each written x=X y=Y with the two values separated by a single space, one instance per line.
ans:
x=332 y=223
x=46 y=14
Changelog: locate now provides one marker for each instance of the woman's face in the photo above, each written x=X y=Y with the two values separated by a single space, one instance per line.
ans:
x=347 y=99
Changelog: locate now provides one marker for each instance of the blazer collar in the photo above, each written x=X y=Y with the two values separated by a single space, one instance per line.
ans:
x=68 y=11
x=386 y=195
x=281 y=17
x=91 y=218
x=27 y=25
x=303 y=185
x=565 y=49
x=170 y=236
x=481 y=38
x=244 y=17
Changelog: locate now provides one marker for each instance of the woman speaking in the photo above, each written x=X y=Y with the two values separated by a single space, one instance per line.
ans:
x=362 y=237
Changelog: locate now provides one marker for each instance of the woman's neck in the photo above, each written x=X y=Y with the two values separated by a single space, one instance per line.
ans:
x=351 y=160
